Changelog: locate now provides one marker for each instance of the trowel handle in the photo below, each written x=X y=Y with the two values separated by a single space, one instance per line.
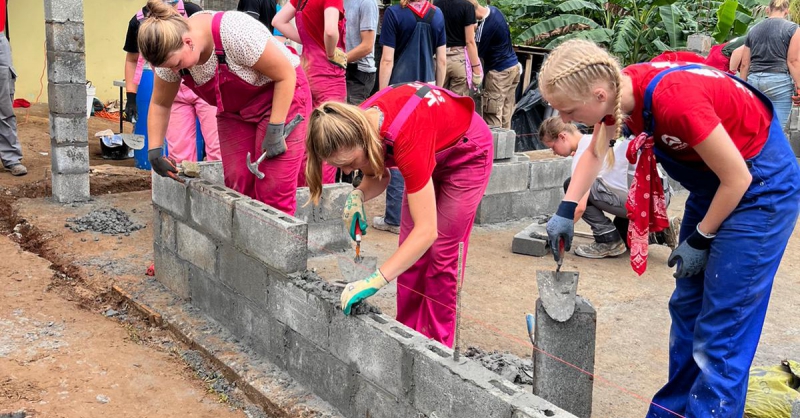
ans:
x=358 y=230
x=530 y=320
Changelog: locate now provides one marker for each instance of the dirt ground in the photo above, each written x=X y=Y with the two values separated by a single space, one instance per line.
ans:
x=68 y=347
x=500 y=287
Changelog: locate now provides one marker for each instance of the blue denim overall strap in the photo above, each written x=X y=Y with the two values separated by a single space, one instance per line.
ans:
x=414 y=60
x=717 y=315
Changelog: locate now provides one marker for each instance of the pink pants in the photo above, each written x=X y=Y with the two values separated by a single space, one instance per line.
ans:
x=278 y=187
x=426 y=292
x=182 y=129
x=324 y=88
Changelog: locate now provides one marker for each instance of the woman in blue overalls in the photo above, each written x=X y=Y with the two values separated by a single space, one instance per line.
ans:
x=412 y=33
x=718 y=137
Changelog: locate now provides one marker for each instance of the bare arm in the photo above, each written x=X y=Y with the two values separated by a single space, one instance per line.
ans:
x=472 y=47
x=793 y=57
x=744 y=66
x=331 y=30
x=588 y=167
x=422 y=206
x=724 y=159
x=364 y=48
x=441 y=65
x=387 y=64
x=736 y=59
x=131 y=60
x=581 y=207
x=372 y=187
x=164 y=94
x=283 y=22
x=277 y=67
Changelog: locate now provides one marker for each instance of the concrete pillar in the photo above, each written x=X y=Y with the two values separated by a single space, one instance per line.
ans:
x=699 y=43
x=66 y=84
x=796 y=409
x=565 y=329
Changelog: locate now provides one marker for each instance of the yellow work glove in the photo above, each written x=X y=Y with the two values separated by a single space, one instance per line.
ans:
x=355 y=292
x=354 y=213
x=339 y=58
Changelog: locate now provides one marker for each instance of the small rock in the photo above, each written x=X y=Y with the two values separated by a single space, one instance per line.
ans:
x=103 y=399
x=137 y=365
x=109 y=313
x=83 y=239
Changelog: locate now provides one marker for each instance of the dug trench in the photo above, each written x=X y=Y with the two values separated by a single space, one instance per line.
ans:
x=74 y=284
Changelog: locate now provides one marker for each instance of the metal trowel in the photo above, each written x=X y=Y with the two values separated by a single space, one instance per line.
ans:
x=557 y=289
x=359 y=267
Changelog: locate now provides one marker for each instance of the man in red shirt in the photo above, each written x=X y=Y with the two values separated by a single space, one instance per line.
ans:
x=10 y=150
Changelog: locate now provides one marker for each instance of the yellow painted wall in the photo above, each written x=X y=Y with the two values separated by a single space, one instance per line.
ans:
x=105 y=25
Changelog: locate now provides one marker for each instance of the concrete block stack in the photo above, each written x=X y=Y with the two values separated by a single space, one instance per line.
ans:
x=793 y=130
x=521 y=188
x=363 y=365
x=326 y=230
x=66 y=90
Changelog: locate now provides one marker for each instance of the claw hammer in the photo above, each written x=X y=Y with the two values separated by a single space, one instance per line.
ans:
x=253 y=166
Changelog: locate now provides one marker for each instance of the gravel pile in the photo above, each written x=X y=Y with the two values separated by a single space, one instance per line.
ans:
x=107 y=221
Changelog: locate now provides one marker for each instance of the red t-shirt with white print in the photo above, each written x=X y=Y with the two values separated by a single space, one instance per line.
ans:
x=437 y=122
x=689 y=104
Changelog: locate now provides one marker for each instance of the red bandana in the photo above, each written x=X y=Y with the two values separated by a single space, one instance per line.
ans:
x=647 y=209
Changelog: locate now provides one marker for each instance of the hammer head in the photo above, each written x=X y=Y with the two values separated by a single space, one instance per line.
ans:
x=253 y=167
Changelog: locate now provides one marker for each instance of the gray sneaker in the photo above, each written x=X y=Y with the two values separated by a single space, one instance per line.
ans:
x=601 y=249
x=672 y=232
x=379 y=223
x=17 y=170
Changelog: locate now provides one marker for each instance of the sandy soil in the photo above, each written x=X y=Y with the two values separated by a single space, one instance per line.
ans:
x=633 y=322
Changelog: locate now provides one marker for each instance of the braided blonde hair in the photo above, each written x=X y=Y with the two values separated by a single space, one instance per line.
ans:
x=571 y=70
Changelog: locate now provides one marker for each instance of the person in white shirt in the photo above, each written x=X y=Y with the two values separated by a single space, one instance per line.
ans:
x=607 y=194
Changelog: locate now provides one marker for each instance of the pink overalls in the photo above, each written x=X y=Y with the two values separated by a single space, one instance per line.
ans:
x=326 y=80
x=426 y=292
x=182 y=129
x=243 y=112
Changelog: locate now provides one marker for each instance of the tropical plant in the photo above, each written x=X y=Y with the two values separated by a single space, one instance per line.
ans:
x=634 y=30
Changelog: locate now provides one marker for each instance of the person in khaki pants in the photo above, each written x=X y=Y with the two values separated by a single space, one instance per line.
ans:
x=463 y=65
x=500 y=64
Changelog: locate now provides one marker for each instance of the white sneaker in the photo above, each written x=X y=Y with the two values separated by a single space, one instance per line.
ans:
x=380 y=224
x=671 y=233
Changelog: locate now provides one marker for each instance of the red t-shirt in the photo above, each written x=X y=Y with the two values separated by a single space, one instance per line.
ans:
x=2 y=15
x=689 y=104
x=437 y=122
x=314 y=18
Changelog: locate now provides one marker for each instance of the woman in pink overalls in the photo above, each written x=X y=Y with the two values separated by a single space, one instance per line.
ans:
x=320 y=29
x=182 y=132
x=232 y=61
x=446 y=167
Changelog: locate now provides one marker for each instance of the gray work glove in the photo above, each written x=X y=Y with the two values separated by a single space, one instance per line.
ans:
x=691 y=255
x=274 y=141
x=562 y=226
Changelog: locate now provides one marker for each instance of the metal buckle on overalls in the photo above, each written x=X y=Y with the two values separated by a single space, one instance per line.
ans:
x=748 y=163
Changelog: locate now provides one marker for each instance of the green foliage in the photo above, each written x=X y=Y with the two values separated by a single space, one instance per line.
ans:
x=634 y=30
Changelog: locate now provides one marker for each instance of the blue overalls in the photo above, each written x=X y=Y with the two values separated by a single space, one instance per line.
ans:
x=718 y=314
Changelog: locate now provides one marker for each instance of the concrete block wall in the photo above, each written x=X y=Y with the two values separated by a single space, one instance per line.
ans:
x=365 y=366
x=326 y=231
x=521 y=188
x=66 y=91
x=793 y=130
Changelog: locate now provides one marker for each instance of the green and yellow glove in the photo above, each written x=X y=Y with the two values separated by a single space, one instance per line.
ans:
x=355 y=292
x=354 y=212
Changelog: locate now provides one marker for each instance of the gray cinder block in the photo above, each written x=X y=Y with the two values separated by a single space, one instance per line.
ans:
x=574 y=342
x=69 y=98
x=70 y=159
x=63 y=11
x=550 y=173
x=325 y=237
x=171 y=271
x=303 y=312
x=531 y=241
x=373 y=401
x=68 y=188
x=277 y=239
x=196 y=248
x=212 y=207
x=170 y=195
x=508 y=177
x=212 y=172
x=66 y=67
x=164 y=230
x=504 y=142
x=69 y=129
x=64 y=37
x=248 y=277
